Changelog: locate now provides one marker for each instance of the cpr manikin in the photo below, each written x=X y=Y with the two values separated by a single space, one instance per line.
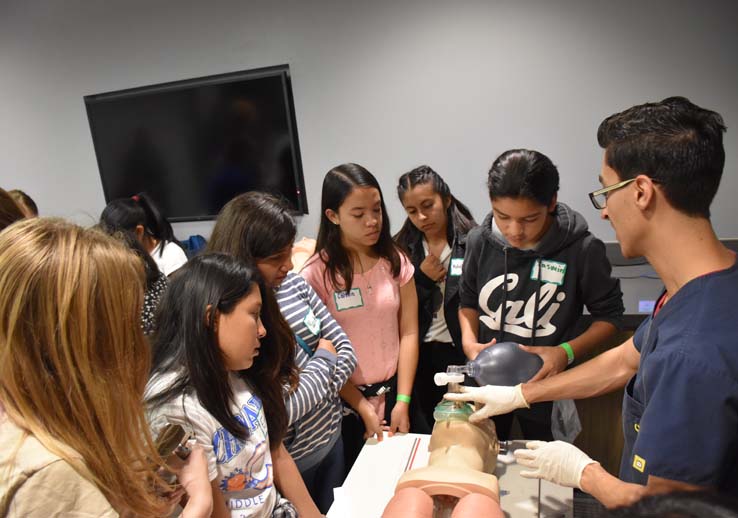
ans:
x=458 y=481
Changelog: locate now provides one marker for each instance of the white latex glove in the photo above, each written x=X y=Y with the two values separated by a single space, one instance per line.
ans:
x=558 y=462
x=495 y=398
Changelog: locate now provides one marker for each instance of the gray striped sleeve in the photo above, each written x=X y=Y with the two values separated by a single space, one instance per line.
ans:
x=316 y=372
x=331 y=330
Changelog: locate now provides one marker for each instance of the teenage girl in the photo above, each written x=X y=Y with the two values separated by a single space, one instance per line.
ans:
x=140 y=215
x=258 y=228
x=219 y=374
x=73 y=365
x=367 y=284
x=434 y=237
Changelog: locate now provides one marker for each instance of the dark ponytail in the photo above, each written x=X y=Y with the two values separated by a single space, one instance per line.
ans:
x=160 y=227
x=139 y=209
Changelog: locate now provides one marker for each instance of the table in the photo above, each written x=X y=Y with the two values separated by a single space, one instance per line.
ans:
x=371 y=482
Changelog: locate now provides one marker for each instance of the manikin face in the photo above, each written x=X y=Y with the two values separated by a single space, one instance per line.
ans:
x=274 y=269
x=426 y=209
x=523 y=221
x=238 y=333
x=360 y=218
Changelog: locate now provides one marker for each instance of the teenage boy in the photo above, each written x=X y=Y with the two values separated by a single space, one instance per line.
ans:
x=661 y=169
x=533 y=265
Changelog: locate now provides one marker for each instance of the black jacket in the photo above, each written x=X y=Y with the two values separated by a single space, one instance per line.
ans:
x=428 y=291
x=539 y=311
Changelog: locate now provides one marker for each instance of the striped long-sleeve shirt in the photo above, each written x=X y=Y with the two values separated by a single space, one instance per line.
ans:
x=314 y=409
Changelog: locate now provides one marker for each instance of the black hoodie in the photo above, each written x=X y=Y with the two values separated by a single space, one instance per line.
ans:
x=427 y=289
x=576 y=273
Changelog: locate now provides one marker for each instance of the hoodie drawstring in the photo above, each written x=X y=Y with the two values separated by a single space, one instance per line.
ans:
x=535 y=304
x=503 y=308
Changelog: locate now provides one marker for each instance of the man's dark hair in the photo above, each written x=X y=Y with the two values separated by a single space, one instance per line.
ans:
x=676 y=143
x=688 y=504
x=522 y=173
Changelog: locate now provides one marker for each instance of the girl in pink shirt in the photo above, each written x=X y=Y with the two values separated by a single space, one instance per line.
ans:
x=367 y=284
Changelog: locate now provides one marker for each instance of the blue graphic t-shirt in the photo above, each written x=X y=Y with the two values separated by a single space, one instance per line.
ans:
x=243 y=469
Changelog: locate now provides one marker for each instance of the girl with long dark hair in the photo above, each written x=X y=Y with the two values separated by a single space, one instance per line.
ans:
x=140 y=215
x=258 y=227
x=218 y=373
x=434 y=237
x=366 y=282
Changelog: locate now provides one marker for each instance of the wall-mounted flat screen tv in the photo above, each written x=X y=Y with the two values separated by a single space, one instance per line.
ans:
x=195 y=144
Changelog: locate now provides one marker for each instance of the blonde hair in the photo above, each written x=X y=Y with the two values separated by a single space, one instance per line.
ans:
x=73 y=359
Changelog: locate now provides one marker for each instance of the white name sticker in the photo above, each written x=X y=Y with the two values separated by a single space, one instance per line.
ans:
x=457 y=265
x=551 y=271
x=349 y=300
x=312 y=322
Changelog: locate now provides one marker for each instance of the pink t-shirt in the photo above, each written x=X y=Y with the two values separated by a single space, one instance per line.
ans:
x=369 y=314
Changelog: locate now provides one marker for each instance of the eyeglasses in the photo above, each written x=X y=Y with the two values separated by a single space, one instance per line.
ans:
x=599 y=197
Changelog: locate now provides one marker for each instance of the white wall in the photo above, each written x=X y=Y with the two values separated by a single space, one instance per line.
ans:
x=388 y=84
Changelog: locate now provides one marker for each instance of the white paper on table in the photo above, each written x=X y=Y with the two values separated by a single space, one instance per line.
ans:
x=341 y=506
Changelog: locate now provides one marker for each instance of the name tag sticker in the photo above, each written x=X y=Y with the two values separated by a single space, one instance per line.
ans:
x=456 y=266
x=551 y=271
x=312 y=322
x=349 y=300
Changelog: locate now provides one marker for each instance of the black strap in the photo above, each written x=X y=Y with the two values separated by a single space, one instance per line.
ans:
x=382 y=387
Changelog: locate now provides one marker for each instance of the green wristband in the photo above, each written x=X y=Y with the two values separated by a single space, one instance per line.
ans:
x=569 y=352
x=404 y=398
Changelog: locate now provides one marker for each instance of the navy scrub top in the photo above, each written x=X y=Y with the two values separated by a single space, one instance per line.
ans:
x=680 y=410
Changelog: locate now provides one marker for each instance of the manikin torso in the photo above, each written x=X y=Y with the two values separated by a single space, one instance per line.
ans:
x=459 y=480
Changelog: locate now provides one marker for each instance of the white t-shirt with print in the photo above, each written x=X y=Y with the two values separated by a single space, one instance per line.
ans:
x=243 y=469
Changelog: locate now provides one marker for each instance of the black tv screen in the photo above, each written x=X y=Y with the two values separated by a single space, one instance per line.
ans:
x=195 y=144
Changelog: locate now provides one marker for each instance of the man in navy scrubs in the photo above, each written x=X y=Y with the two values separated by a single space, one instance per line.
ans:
x=661 y=169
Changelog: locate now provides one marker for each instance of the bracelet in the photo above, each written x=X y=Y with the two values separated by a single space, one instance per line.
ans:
x=569 y=352
x=403 y=397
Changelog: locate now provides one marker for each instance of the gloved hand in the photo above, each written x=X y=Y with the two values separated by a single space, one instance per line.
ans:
x=558 y=462
x=496 y=400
